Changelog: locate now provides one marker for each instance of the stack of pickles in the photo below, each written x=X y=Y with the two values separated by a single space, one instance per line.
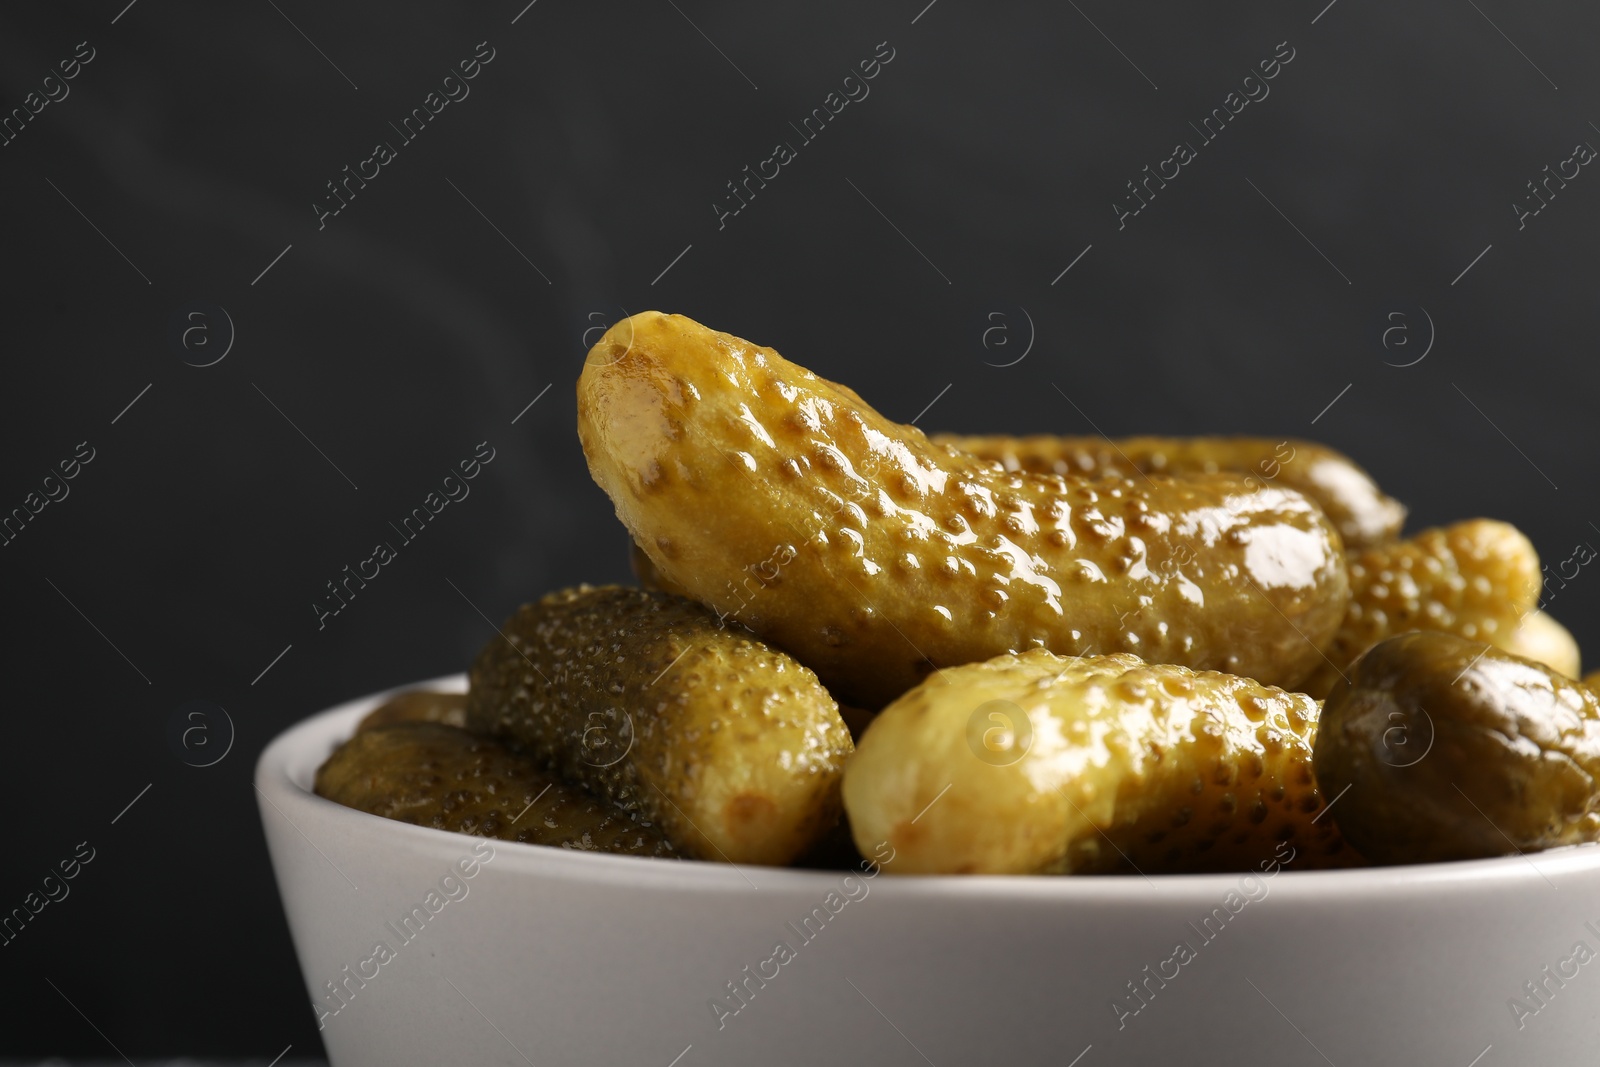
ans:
x=993 y=654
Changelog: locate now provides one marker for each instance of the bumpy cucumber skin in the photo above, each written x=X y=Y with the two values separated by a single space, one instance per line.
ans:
x=1454 y=749
x=730 y=746
x=1476 y=579
x=1123 y=766
x=1363 y=513
x=431 y=774
x=874 y=555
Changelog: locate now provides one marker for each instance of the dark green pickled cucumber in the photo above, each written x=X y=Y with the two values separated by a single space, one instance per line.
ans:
x=648 y=700
x=419 y=705
x=1452 y=749
x=430 y=774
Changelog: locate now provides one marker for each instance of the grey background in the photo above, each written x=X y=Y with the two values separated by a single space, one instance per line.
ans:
x=380 y=350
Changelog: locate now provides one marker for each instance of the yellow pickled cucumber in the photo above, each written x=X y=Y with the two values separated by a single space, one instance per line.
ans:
x=1544 y=640
x=1477 y=579
x=1043 y=764
x=874 y=556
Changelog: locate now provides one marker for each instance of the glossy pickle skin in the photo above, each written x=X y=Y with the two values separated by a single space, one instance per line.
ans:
x=1477 y=579
x=1363 y=513
x=431 y=774
x=1453 y=749
x=1123 y=766
x=874 y=555
x=731 y=747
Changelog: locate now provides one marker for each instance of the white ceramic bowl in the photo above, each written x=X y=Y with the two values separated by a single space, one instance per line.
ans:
x=549 y=957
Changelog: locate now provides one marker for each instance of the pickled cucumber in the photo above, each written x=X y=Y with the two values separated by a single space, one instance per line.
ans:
x=875 y=556
x=1477 y=579
x=1364 y=514
x=732 y=748
x=1544 y=640
x=419 y=705
x=1454 y=749
x=430 y=774
x=1042 y=764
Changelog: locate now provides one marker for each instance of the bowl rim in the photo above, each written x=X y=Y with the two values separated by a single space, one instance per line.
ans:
x=283 y=779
